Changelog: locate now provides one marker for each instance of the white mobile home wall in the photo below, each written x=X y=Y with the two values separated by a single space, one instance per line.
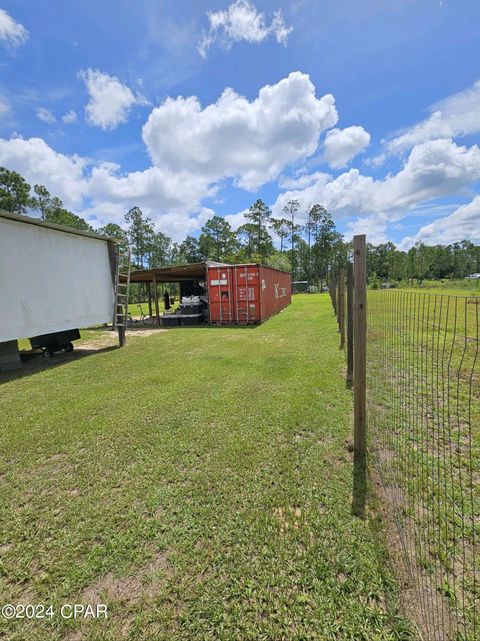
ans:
x=51 y=280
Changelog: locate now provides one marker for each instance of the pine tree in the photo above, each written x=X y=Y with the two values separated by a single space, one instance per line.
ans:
x=14 y=192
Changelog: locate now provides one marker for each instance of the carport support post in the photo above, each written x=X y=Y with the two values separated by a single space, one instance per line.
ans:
x=155 y=294
x=149 y=292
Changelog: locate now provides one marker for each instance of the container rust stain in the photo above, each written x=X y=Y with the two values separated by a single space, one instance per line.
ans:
x=246 y=294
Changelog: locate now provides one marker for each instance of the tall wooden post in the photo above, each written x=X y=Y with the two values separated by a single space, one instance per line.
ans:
x=349 y=324
x=155 y=297
x=334 y=294
x=359 y=373
x=341 y=307
x=360 y=341
x=149 y=292
x=122 y=339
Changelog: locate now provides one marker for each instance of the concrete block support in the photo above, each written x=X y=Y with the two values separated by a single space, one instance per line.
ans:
x=9 y=356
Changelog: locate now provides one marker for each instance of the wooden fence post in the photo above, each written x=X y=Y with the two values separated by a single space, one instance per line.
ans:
x=334 y=294
x=360 y=342
x=349 y=324
x=341 y=307
x=359 y=374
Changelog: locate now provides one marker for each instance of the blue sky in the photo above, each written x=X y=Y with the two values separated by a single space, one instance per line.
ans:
x=193 y=108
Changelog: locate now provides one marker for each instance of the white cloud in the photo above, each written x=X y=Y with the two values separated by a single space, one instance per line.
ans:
x=434 y=169
x=39 y=163
x=176 y=225
x=242 y=21
x=11 y=33
x=341 y=145
x=236 y=220
x=251 y=141
x=375 y=228
x=455 y=116
x=4 y=106
x=70 y=117
x=45 y=115
x=194 y=151
x=101 y=193
x=110 y=101
x=304 y=180
x=153 y=189
x=462 y=224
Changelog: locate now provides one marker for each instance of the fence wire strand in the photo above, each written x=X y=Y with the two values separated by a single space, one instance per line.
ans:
x=423 y=415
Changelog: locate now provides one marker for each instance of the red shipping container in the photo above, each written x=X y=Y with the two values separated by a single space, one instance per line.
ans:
x=243 y=294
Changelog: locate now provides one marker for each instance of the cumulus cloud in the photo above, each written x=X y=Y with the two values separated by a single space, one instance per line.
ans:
x=155 y=189
x=341 y=145
x=110 y=100
x=455 y=116
x=70 y=117
x=375 y=227
x=304 y=180
x=12 y=33
x=434 y=169
x=251 y=141
x=176 y=225
x=171 y=200
x=242 y=21
x=237 y=220
x=39 y=163
x=463 y=223
x=45 y=115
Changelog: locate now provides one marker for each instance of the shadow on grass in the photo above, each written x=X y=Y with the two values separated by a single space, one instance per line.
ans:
x=359 y=485
x=32 y=363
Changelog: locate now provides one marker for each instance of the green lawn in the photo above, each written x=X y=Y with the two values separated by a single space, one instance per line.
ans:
x=196 y=482
x=462 y=287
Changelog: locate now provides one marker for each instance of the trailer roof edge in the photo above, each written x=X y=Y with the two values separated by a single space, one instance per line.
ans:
x=64 y=228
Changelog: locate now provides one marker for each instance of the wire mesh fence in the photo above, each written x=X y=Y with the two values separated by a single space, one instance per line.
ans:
x=423 y=414
x=422 y=411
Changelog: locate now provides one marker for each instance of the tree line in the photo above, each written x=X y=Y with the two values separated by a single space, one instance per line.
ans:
x=422 y=262
x=310 y=251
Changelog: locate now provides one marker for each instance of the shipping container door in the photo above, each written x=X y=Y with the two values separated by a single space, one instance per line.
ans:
x=247 y=294
x=221 y=295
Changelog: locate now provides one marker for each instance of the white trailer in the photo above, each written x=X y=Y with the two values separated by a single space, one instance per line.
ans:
x=52 y=278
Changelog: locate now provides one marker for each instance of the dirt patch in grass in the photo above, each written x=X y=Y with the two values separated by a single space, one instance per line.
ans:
x=97 y=341
x=127 y=591
x=143 y=583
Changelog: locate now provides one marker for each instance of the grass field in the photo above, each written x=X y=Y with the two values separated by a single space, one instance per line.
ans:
x=462 y=287
x=197 y=483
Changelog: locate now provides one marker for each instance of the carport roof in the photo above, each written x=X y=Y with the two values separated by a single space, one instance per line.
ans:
x=172 y=274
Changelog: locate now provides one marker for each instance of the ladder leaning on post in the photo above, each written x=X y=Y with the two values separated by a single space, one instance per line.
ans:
x=122 y=288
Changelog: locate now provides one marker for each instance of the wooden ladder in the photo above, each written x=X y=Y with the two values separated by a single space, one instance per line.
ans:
x=122 y=286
